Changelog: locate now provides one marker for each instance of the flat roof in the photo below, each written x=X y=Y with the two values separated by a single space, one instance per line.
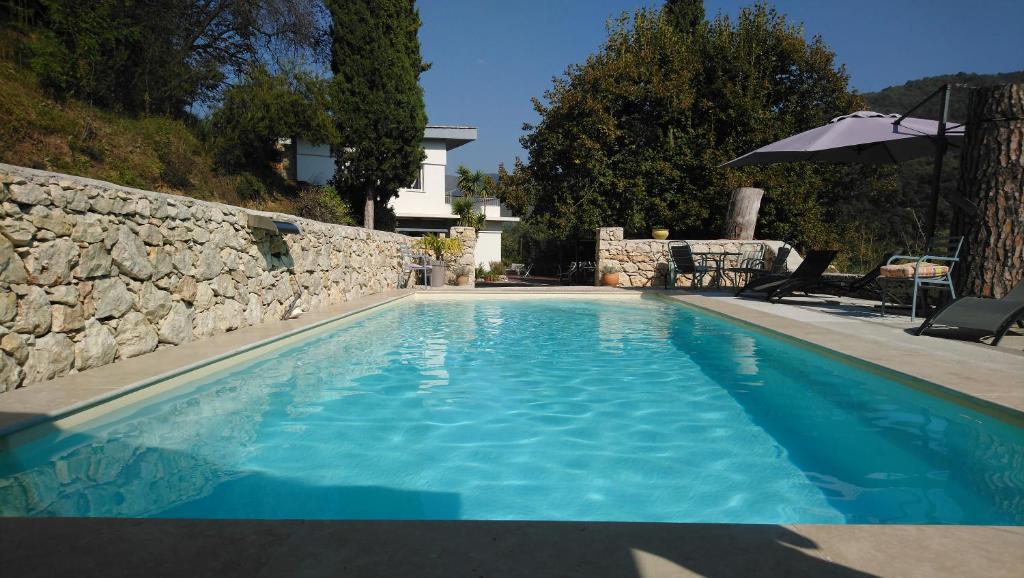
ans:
x=453 y=136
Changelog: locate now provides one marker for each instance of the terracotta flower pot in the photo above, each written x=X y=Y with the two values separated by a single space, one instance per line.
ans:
x=659 y=234
x=610 y=279
x=462 y=280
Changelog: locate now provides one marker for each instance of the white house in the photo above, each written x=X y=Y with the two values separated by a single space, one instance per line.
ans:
x=426 y=206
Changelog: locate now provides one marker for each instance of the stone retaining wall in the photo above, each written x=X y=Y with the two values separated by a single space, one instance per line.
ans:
x=91 y=272
x=644 y=262
x=466 y=260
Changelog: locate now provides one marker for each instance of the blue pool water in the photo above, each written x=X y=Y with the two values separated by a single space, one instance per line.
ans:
x=546 y=409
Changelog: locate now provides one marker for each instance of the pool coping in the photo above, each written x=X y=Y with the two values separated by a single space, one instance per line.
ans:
x=188 y=547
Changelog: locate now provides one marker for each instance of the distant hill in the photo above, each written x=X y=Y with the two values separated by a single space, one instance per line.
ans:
x=903 y=97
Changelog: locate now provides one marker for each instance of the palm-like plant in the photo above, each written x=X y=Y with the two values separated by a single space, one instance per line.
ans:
x=474 y=185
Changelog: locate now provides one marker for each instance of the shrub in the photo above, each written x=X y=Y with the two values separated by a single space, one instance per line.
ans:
x=497 y=268
x=250 y=188
x=440 y=247
x=325 y=205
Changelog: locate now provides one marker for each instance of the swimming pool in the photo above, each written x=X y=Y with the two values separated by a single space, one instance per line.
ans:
x=534 y=409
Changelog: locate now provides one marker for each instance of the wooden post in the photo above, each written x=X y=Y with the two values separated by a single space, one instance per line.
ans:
x=741 y=219
x=368 y=211
x=992 y=177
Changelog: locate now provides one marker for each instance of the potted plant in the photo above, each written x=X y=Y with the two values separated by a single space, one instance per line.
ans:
x=660 y=233
x=462 y=277
x=610 y=275
x=440 y=248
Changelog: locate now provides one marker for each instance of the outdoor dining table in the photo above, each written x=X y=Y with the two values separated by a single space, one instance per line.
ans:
x=719 y=258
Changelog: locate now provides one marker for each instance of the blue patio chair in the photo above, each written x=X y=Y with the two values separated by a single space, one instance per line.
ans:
x=941 y=250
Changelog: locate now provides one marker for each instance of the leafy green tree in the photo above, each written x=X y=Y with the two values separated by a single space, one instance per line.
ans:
x=324 y=204
x=635 y=136
x=685 y=15
x=516 y=190
x=143 y=56
x=264 y=107
x=379 y=109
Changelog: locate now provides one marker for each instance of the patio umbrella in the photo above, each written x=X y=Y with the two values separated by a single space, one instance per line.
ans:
x=871 y=138
x=862 y=137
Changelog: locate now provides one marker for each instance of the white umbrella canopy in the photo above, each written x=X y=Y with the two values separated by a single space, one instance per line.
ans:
x=862 y=137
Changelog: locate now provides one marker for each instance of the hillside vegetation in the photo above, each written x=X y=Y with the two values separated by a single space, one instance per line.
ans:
x=149 y=152
x=903 y=97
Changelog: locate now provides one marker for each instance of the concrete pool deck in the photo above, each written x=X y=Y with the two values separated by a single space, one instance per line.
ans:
x=44 y=547
x=256 y=548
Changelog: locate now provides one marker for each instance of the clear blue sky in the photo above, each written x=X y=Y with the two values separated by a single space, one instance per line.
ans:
x=490 y=56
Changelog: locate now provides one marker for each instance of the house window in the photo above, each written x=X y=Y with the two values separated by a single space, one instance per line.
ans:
x=418 y=183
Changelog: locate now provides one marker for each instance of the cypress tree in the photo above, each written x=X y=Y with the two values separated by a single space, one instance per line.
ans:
x=375 y=57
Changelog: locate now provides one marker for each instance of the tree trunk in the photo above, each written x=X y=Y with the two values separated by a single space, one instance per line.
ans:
x=992 y=177
x=741 y=219
x=368 y=211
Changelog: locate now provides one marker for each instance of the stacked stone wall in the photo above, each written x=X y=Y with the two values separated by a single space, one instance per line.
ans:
x=644 y=262
x=465 y=261
x=92 y=272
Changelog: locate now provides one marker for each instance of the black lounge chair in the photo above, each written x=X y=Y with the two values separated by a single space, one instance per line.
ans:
x=758 y=273
x=806 y=277
x=867 y=283
x=994 y=316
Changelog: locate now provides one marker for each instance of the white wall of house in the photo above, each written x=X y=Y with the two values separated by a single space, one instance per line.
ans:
x=428 y=199
x=315 y=164
x=488 y=247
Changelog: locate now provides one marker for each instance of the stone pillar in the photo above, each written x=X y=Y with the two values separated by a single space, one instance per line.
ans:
x=465 y=260
x=605 y=238
x=741 y=219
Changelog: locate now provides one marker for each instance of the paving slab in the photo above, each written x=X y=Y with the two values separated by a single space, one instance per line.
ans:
x=134 y=547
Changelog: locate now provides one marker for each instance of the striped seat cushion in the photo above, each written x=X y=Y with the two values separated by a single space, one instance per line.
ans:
x=906 y=270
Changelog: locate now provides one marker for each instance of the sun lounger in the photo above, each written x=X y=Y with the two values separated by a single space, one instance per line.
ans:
x=806 y=277
x=994 y=316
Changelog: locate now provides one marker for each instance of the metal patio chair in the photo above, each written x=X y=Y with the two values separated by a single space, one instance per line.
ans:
x=682 y=261
x=941 y=250
x=409 y=264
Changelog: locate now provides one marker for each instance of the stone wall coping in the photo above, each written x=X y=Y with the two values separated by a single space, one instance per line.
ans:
x=26 y=172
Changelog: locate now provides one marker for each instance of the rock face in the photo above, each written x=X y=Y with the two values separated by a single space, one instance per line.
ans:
x=129 y=254
x=135 y=335
x=12 y=268
x=52 y=356
x=111 y=298
x=96 y=348
x=91 y=272
x=33 y=313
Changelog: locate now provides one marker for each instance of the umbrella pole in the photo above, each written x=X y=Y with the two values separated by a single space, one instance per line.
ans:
x=940 y=153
